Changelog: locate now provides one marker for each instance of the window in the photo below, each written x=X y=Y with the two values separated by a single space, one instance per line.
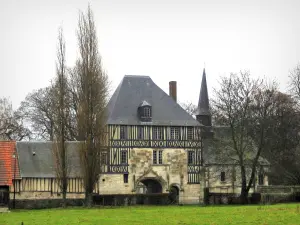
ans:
x=125 y=178
x=147 y=112
x=157 y=159
x=191 y=157
x=157 y=133
x=223 y=176
x=175 y=133
x=103 y=158
x=260 y=179
x=123 y=157
x=154 y=157
x=190 y=133
x=123 y=132
x=140 y=133
x=233 y=174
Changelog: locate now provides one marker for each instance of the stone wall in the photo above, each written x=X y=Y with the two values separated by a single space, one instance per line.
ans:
x=44 y=195
x=232 y=183
x=172 y=172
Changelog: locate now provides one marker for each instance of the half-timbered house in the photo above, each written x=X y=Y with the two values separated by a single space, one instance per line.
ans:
x=153 y=146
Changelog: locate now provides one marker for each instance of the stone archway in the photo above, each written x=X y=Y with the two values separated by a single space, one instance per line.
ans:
x=174 y=194
x=152 y=186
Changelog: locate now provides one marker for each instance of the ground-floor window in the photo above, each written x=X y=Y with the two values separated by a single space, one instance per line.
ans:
x=222 y=176
x=125 y=178
x=261 y=179
x=157 y=157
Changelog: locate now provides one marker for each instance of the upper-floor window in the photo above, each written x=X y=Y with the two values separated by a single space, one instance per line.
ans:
x=123 y=157
x=157 y=133
x=140 y=132
x=190 y=133
x=104 y=158
x=175 y=133
x=123 y=132
x=191 y=157
x=145 y=111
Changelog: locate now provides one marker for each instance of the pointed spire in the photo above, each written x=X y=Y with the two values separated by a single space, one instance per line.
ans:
x=203 y=104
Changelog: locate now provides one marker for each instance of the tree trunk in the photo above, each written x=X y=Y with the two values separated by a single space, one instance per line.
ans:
x=244 y=191
x=88 y=199
x=64 y=191
x=64 y=199
x=244 y=196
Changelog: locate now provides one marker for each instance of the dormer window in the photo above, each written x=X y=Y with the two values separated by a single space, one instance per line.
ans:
x=145 y=111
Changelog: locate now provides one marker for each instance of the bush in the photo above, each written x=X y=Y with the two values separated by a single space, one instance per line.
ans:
x=44 y=203
x=255 y=198
x=297 y=196
x=206 y=196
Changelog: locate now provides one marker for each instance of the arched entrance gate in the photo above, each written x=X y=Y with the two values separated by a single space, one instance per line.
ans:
x=152 y=190
x=152 y=186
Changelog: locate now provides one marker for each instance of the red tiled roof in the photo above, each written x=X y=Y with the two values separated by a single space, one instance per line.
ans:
x=7 y=162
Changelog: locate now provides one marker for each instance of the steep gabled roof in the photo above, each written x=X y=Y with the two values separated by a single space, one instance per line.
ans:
x=8 y=163
x=36 y=159
x=132 y=91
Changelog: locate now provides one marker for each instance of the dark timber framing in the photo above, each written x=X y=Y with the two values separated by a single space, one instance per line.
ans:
x=186 y=137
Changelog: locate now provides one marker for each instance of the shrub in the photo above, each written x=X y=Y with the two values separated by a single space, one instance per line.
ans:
x=255 y=198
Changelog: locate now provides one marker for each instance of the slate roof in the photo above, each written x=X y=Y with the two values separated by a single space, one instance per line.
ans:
x=7 y=163
x=134 y=90
x=203 y=104
x=36 y=159
x=213 y=154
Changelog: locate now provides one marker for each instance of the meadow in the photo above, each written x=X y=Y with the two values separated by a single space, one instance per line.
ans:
x=211 y=215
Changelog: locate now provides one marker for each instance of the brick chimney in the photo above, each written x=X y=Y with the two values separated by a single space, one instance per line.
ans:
x=173 y=90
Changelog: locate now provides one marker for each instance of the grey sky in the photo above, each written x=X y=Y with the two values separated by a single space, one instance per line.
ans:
x=167 y=40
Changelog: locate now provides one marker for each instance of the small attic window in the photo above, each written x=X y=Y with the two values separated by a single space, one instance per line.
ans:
x=145 y=111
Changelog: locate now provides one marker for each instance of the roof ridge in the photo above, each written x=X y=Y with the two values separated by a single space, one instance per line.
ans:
x=137 y=76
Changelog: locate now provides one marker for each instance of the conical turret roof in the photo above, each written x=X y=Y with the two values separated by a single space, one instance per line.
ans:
x=203 y=104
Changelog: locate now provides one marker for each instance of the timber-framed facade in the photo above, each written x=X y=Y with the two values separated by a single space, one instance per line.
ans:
x=152 y=146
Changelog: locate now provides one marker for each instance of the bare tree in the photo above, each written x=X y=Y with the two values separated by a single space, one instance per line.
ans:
x=60 y=117
x=244 y=104
x=91 y=93
x=282 y=141
x=190 y=108
x=38 y=109
x=294 y=81
x=11 y=123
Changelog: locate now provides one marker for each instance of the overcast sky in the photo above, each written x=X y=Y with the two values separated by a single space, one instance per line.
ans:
x=167 y=40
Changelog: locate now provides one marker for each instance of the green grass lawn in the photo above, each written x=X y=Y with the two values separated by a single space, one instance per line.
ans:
x=270 y=214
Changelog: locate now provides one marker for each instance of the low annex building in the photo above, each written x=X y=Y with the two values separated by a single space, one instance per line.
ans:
x=154 y=146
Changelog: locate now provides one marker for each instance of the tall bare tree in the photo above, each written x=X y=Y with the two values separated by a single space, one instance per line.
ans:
x=244 y=104
x=60 y=116
x=91 y=93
